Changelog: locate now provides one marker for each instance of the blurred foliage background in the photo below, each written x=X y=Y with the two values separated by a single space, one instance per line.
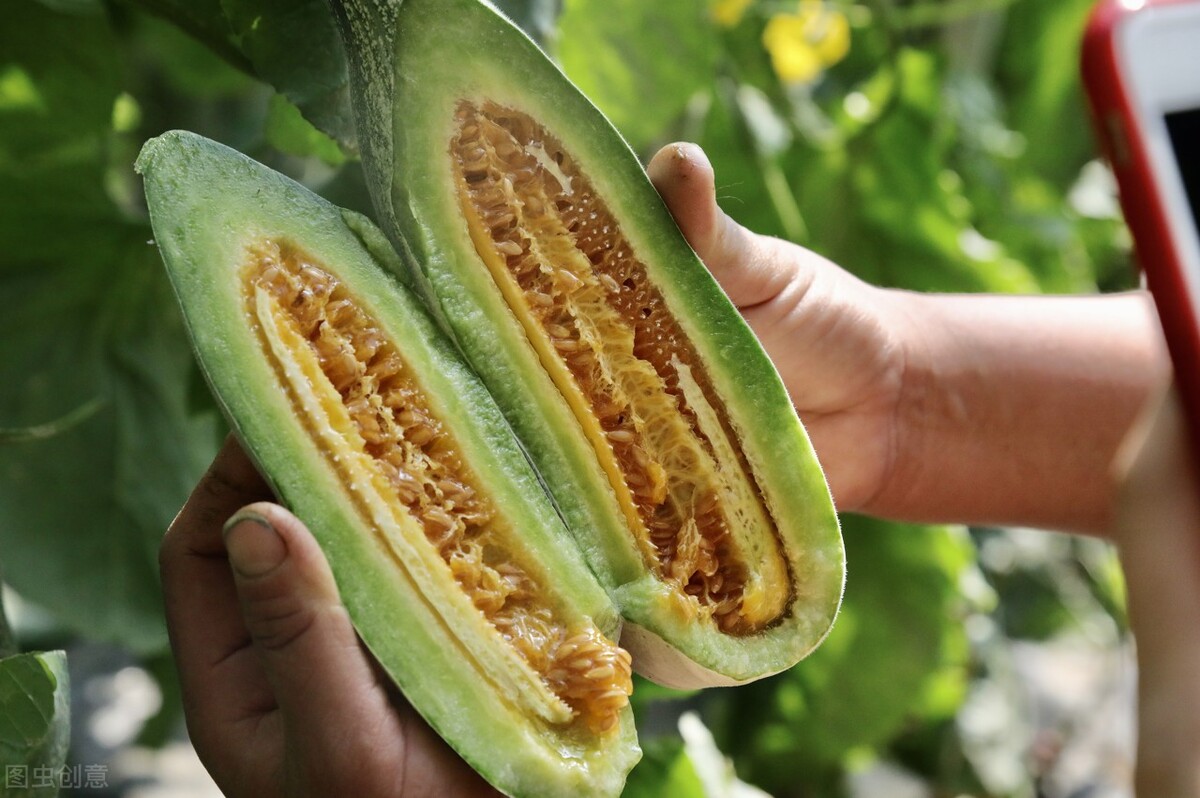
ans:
x=938 y=145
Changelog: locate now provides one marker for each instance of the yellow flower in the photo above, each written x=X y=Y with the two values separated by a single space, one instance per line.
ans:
x=804 y=44
x=728 y=13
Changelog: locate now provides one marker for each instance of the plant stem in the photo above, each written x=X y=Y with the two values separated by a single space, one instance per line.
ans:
x=49 y=429
x=8 y=643
x=784 y=201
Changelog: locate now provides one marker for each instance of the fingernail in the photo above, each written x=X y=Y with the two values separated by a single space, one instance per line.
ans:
x=687 y=151
x=254 y=546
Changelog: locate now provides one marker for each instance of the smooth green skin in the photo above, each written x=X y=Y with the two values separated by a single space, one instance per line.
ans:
x=411 y=62
x=207 y=203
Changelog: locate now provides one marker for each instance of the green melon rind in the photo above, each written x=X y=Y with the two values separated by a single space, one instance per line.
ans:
x=207 y=203
x=445 y=50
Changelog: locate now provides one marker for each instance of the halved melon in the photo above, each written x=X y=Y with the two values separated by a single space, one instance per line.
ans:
x=453 y=565
x=655 y=419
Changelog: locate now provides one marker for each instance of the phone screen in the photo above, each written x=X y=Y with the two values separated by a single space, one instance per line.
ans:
x=1184 y=129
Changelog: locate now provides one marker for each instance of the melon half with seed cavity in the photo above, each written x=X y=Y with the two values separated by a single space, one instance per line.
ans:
x=455 y=568
x=656 y=421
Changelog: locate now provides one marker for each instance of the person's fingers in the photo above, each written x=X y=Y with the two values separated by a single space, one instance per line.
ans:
x=290 y=607
x=230 y=482
x=1158 y=532
x=262 y=620
x=1154 y=459
x=684 y=178
x=747 y=266
x=835 y=341
x=345 y=728
x=203 y=618
x=343 y=736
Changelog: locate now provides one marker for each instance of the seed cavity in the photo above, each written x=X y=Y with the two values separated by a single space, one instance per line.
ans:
x=405 y=443
x=607 y=337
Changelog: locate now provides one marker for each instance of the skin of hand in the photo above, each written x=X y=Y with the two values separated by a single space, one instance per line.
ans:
x=1157 y=530
x=978 y=409
x=280 y=696
x=834 y=339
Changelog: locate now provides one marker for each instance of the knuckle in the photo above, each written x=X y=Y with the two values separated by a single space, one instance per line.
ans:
x=277 y=611
x=278 y=625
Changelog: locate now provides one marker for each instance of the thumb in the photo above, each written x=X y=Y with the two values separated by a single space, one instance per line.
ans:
x=752 y=269
x=290 y=605
x=343 y=734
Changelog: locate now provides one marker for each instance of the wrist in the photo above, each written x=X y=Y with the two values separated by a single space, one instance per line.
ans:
x=1010 y=409
x=906 y=317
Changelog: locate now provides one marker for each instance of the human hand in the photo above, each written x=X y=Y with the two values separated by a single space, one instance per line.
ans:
x=836 y=341
x=934 y=408
x=280 y=696
x=1157 y=529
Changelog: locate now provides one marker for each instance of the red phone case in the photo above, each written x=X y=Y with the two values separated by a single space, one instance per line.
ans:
x=1124 y=143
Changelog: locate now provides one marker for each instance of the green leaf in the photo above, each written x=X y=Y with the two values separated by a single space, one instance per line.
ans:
x=204 y=20
x=639 y=62
x=34 y=723
x=59 y=80
x=291 y=44
x=84 y=504
x=59 y=77
x=918 y=230
x=1039 y=70
x=288 y=131
x=664 y=770
x=194 y=72
x=897 y=652
x=81 y=513
x=294 y=46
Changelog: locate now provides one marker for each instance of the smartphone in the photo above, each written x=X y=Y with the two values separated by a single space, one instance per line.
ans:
x=1141 y=69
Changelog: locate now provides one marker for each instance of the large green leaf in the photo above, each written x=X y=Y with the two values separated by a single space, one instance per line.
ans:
x=59 y=80
x=34 y=723
x=81 y=512
x=193 y=73
x=94 y=358
x=288 y=131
